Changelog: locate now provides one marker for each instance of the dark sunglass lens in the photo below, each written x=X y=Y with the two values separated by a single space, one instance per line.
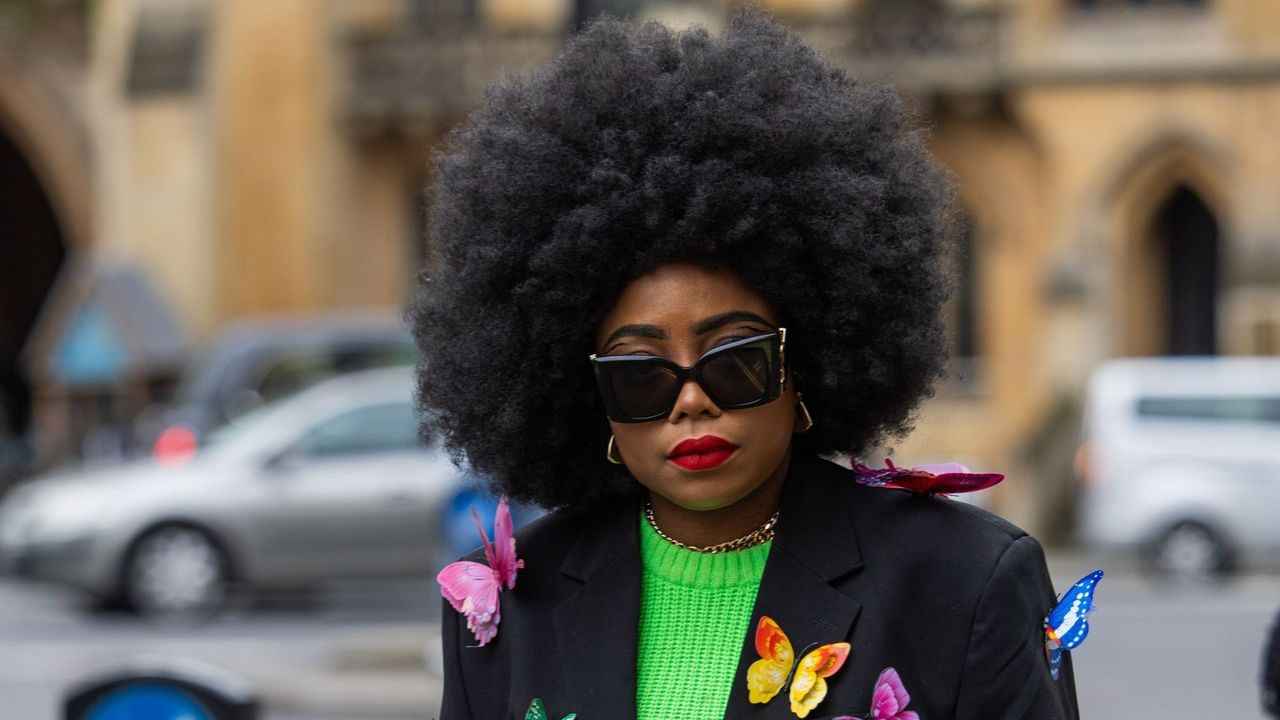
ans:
x=642 y=389
x=738 y=376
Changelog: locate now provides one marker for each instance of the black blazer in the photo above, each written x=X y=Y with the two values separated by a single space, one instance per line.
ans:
x=951 y=596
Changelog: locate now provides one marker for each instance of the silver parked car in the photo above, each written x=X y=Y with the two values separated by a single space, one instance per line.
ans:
x=330 y=483
x=1181 y=463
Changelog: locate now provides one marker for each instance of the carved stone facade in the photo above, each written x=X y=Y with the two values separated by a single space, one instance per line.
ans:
x=1118 y=163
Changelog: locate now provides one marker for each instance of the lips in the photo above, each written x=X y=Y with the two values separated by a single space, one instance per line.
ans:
x=702 y=453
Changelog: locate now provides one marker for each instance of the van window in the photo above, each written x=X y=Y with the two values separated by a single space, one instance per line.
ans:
x=1238 y=408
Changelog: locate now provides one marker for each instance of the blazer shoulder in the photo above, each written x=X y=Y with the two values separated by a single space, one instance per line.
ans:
x=548 y=535
x=578 y=541
x=553 y=533
x=929 y=524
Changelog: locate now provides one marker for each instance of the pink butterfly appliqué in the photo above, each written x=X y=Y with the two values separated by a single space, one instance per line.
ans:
x=472 y=588
x=946 y=478
x=889 y=700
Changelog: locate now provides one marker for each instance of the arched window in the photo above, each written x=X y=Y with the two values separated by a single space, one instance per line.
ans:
x=963 y=314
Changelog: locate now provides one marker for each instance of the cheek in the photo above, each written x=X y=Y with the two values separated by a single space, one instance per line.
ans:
x=637 y=441
x=773 y=429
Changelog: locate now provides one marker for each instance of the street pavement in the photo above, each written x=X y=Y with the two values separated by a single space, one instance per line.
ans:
x=352 y=653
x=1170 y=653
x=370 y=652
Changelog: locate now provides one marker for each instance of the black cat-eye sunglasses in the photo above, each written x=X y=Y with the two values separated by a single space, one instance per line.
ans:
x=741 y=374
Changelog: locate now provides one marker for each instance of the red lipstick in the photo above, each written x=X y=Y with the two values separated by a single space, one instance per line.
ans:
x=702 y=453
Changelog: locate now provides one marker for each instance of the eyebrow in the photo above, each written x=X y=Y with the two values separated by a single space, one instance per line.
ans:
x=703 y=326
x=716 y=321
x=645 y=331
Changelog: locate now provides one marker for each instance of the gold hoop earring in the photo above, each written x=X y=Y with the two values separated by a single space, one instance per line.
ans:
x=804 y=413
x=610 y=455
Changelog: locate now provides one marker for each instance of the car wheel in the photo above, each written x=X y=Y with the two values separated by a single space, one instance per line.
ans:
x=176 y=572
x=1190 y=552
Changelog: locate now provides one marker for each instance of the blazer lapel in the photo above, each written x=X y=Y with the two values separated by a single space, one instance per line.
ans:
x=596 y=627
x=814 y=545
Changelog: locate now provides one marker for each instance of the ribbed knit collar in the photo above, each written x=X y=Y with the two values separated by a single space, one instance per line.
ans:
x=703 y=570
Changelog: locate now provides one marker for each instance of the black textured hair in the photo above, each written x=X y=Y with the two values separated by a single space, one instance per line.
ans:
x=639 y=146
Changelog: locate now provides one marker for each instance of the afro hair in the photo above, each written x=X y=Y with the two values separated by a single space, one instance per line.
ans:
x=639 y=146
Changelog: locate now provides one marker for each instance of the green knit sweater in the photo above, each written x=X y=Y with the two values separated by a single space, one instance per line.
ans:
x=694 y=612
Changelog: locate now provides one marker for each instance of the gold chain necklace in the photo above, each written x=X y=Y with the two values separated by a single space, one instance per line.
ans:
x=759 y=536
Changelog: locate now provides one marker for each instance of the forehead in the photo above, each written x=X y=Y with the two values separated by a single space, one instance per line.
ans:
x=679 y=295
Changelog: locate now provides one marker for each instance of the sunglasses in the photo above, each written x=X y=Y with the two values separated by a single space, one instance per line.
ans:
x=741 y=374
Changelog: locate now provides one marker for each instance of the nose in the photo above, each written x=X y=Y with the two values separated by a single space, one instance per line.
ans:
x=692 y=402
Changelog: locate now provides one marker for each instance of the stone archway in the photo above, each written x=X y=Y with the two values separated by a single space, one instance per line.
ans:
x=1168 y=210
x=32 y=252
x=44 y=217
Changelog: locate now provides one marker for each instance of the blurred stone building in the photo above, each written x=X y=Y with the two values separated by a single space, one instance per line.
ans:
x=1118 y=164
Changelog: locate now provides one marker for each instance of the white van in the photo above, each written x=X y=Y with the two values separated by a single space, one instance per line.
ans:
x=1181 y=463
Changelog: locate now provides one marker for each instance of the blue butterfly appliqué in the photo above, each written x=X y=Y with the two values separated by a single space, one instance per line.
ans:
x=1067 y=623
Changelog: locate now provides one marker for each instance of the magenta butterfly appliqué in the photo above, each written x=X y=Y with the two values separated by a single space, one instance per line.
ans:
x=472 y=588
x=889 y=701
x=946 y=478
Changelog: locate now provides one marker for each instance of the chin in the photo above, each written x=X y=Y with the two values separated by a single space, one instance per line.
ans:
x=701 y=494
x=703 y=505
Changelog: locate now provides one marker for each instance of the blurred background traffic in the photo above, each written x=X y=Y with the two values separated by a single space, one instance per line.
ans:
x=211 y=213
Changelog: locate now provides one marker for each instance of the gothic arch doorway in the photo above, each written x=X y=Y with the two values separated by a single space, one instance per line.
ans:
x=32 y=248
x=1166 y=228
x=1169 y=277
x=1185 y=233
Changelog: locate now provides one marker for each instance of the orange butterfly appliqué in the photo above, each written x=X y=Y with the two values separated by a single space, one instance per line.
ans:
x=769 y=675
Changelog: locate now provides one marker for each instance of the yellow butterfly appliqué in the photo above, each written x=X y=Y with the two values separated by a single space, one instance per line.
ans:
x=769 y=675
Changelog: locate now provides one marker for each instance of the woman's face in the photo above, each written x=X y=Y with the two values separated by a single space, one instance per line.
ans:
x=679 y=312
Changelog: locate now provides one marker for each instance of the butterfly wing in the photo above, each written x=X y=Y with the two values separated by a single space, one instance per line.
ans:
x=504 y=558
x=809 y=686
x=472 y=589
x=1069 y=618
x=866 y=475
x=946 y=483
x=944 y=478
x=537 y=711
x=890 y=698
x=1067 y=624
x=767 y=675
x=465 y=579
x=1053 y=651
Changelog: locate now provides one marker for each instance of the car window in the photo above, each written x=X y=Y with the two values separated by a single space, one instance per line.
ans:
x=1240 y=408
x=299 y=369
x=291 y=373
x=247 y=425
x=377 y=428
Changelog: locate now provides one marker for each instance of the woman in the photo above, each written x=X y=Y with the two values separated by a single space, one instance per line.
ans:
x=673 y=270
